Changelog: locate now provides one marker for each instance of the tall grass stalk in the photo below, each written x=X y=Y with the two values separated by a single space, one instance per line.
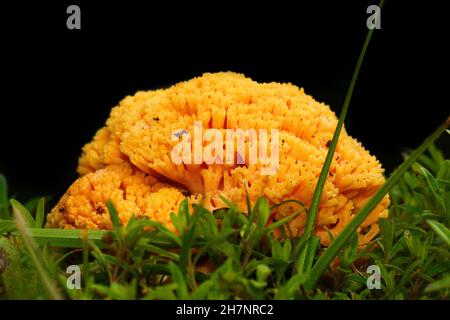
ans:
x=36 y=257
x=314 y=207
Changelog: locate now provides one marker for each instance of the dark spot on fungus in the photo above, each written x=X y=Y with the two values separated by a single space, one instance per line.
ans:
x=156 y=118
x=100 y=210
x=328 y=144
x=62 y=209
x=365 y=230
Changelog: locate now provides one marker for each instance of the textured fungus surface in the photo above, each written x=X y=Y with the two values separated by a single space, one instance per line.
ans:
x=137 y=141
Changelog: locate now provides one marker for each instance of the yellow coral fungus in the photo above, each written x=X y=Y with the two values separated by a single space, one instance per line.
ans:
x=102 y=151
x=140 y=131
x=132 y=192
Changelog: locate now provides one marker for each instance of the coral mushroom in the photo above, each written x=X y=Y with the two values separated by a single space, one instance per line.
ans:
x=140 y=131
x=132 y=192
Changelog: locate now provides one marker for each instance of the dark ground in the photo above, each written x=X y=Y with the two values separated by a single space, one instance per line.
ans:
x=59 y=85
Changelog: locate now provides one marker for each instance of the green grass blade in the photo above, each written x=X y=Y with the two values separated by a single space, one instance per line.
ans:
x=303 y=256
x=7 y=226
x=32 y=204
x=436 y=155
x=444 y=283
x=442 y=231
x=40 y=212
x=433 y=186
x=251 y=214
x=353 y=225
x=387 y=239
x=72 y=238
x=279 y=223
x=18 y=208
x=36 y=257
x=315 y=241
x=160 y=251
x=301 y=204
x=179 y=279
x=164 y=231
x=187 y=240
x=444 y=171
x=314 y=207
x=113 y=214
x=299 y=247
x=67 y=238
x=230 y=204
x=263 y=213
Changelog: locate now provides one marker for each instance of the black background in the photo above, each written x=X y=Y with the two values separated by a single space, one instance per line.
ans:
x=58 y=85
